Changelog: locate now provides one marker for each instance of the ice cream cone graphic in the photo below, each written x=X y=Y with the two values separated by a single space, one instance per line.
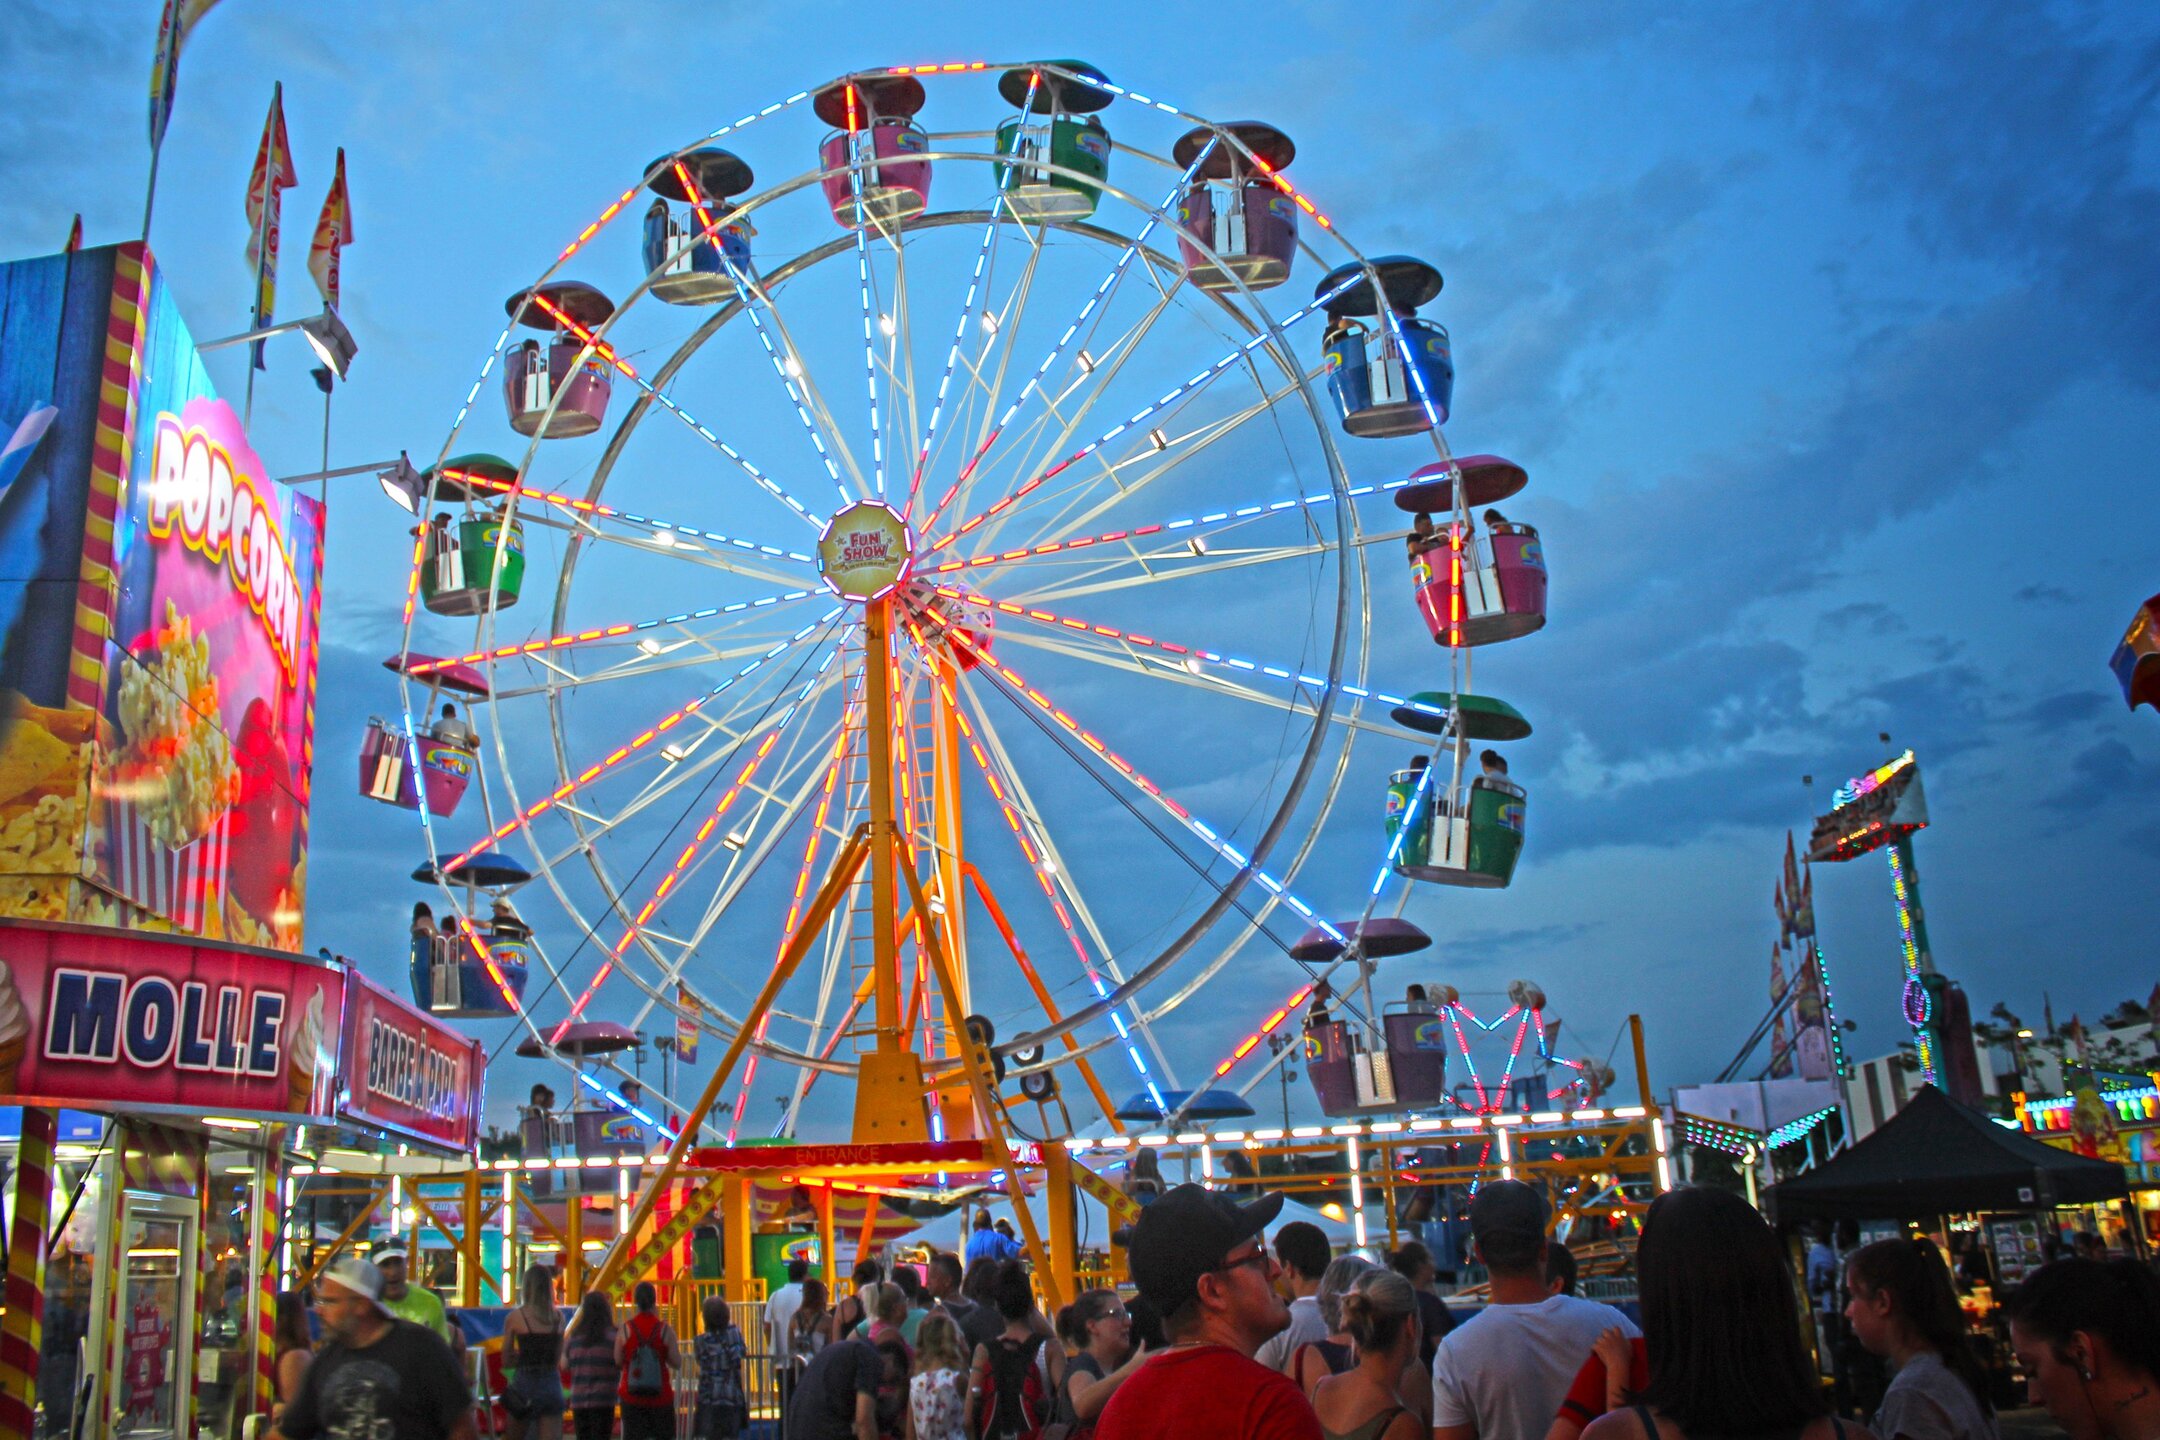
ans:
x=14 y=1032
x=303 y=1049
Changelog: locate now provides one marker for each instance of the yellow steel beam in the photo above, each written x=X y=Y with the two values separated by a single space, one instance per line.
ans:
x=982 y=1079
x=845 y=865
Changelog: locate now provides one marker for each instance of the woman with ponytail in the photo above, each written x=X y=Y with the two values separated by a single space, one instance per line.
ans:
x=2087 y=1334
x=1364 y=1401
x=1902 y=1307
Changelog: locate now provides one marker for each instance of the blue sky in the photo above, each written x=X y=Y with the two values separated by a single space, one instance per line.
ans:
x=1827 y=335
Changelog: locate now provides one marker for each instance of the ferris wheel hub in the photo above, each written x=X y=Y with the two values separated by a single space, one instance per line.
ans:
x=865 y=552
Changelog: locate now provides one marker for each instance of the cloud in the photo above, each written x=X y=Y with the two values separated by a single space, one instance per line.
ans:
x=2039 y=594
x=1861 y=618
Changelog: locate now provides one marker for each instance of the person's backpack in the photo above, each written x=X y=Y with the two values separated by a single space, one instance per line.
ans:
x=647 y=1373
x=1019 y=1403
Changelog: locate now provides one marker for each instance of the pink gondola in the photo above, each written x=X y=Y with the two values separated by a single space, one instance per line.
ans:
x=875 y=171
x=1498 y=592
x=536 y=371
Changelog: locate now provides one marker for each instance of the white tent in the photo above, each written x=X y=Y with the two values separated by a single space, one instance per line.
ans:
x=1341 y=1235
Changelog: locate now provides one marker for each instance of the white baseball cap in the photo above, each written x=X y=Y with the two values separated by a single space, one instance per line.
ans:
x=359 y=1276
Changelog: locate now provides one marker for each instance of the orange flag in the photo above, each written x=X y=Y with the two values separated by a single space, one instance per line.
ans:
x=272 y=175
x=333 y=232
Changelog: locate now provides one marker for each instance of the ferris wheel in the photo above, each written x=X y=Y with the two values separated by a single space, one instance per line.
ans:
x=947 y=552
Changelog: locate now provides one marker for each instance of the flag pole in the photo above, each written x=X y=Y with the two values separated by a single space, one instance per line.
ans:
x=255 y=318
x=150 y=195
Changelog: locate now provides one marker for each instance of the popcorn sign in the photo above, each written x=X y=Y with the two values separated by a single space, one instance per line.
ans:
x=220 y=515
x=209 y=669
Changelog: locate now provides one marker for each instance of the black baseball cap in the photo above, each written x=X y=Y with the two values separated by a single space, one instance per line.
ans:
x=1190 y=1231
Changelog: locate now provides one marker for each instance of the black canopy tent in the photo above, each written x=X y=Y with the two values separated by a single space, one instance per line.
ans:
x=1937 y=1157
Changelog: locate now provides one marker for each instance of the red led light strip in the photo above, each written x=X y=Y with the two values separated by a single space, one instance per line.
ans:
x=1267 y=1026
x=487 y=961
x=1291 y=190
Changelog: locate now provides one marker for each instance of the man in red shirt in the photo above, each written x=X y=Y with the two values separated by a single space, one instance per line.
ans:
x=1199 y=1259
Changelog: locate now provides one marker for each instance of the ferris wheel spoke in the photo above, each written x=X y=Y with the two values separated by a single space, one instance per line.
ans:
x=1112 y=575
x=1096 y=372
x=798 y=896
x=898 y=361
x=607 y=353
x=1073 y=331
x=1021 y=693
x=1301 y=701
x=642 y=663
x=690 y=852
x=643 y=738
x=1191 y=658
x=555 y=644
x=1031 y=447
x=1072 y=506
x=668 y=546
x=1207 y=523
x=1139 y=417
x=978 y=279
x=870 y=365
x=587 y=511
x=788 y=368
x=801 y=777
x=1001 y=325
x=682 y=764
x=1039 y=864
x=1053 y=872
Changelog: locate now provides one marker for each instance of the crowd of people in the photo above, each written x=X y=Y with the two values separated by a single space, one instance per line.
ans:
x=1233 y=1336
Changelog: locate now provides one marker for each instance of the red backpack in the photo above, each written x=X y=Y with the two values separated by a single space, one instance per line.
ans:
x=1019 y=1403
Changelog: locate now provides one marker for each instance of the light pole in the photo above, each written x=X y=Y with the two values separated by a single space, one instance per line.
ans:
x=1277 y=1043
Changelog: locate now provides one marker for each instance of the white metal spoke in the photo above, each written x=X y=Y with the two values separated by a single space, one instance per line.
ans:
x=1062 y=875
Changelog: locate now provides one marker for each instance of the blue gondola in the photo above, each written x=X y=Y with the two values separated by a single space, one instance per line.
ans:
x=1395 y=376
x=451 y=977
x=687 y=273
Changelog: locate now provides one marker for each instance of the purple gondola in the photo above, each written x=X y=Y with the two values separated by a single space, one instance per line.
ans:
x=689 y=265
x=536 y=371
x=875 y=170
x=1395 y=376
x=1234 y=209
x=447 y=763
x=1408 y=1073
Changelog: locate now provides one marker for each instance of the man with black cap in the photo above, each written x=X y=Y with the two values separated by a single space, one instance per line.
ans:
x=1502 y=1374
x=1199 y=1260
x=376 y=1376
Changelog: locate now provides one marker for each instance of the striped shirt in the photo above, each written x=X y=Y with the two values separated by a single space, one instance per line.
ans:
x=594 y=1374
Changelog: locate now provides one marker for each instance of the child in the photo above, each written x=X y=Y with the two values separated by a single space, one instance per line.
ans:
x=721 y=1409
x=937 y=1398
x=1904 y=1309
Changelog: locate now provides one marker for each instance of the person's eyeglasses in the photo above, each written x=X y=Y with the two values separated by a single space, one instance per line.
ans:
x=1258 y=1257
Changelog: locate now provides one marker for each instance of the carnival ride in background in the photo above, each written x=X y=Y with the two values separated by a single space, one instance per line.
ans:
x=900 y=686
x=2136 y=661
